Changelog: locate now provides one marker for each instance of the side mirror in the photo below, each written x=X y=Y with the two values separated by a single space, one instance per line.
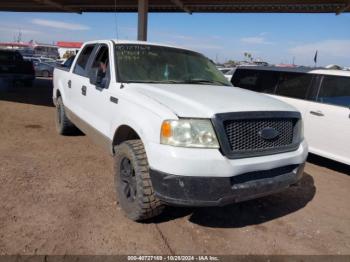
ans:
x=96 y=77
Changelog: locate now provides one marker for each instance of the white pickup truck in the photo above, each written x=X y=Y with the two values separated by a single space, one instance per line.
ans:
x=179 y=132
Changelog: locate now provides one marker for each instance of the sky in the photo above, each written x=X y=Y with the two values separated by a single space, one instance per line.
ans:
x=275 y=38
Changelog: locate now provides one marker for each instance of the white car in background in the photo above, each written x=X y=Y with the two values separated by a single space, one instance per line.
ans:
x=322 y=96
x=224 y=70
x=227 y=72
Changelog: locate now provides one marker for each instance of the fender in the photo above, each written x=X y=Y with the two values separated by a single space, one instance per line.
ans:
x=147 y=128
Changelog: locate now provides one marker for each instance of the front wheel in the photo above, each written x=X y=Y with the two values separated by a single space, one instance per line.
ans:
x=133 y=183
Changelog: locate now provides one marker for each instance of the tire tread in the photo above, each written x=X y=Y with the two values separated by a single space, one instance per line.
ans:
x=147 y=206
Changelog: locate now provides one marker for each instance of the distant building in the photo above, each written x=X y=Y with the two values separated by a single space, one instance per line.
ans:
x=45 y=50
x=14 y=45
x=32 y=48
x=67 y=49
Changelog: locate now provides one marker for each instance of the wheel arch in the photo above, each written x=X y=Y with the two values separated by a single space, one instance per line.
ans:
x=58 y=93
x=122 y=134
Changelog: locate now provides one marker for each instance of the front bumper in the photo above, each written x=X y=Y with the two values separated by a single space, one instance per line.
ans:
x=219 y=191
x=212 y=163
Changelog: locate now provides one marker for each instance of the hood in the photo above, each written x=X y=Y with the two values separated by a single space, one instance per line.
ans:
x=204 y=101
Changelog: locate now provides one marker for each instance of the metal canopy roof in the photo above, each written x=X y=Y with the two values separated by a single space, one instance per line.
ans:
x=189 y=6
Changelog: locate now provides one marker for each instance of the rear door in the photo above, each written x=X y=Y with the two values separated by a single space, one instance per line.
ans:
x=78 y=82
x=328 y=119
x=96 y=102
x=296 y=89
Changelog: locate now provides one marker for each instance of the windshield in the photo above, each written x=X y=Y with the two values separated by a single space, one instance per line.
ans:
x=157 y=64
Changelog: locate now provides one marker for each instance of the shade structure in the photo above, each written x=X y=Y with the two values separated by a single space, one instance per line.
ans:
x=190 y=6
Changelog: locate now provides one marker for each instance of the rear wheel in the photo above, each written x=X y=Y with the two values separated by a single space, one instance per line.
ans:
x=133 y=183
x=63 y=125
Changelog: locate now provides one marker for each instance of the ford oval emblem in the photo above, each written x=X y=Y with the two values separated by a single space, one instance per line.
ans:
x=268 y=133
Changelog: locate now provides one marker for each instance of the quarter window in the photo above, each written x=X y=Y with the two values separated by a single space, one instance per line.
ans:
x=82 y=60
x=256 y=80
x=335 y=90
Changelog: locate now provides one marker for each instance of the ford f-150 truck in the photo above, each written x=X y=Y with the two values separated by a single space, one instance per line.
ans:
x=180 y=134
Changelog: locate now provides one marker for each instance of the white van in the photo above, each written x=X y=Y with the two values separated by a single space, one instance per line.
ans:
x=321 y=95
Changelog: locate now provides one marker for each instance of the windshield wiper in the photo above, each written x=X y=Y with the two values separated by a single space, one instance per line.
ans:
x=205 y=81
x=155 y=82
x=189 y=81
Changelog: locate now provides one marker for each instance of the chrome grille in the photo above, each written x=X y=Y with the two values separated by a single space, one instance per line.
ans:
x=243 y=134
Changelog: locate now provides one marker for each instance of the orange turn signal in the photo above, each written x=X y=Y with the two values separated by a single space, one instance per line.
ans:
x=166 y=129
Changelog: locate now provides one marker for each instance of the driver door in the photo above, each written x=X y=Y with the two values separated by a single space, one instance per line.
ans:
x=97 y=103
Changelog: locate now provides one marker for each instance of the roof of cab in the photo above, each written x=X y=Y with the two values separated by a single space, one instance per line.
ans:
x=118 y=41
x=306 y=70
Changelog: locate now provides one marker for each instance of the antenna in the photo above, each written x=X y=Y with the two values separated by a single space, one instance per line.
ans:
x=116 y=19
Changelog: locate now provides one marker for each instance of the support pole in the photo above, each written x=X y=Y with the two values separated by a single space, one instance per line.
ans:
x=142 y=20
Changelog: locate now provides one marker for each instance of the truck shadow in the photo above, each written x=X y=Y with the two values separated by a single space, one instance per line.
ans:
x=253 y=212
x=328 y=163
x=38 y=94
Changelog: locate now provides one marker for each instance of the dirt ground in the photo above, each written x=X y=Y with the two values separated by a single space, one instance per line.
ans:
x=57 y=197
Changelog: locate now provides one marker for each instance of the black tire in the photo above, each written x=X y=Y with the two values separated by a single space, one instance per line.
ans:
x=133 y=183
x=63 y=125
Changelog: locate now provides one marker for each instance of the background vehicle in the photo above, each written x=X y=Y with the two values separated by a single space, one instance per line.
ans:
x=44 y=69
x=68 y=63
x=32 y=59
x=39 y=59
x=40 y=50
x=228 y=72
x=13 y=68
x=225 y=70
x=179 y=132
x=321 y=95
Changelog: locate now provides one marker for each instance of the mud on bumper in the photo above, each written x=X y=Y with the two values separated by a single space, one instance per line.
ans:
x=219 y=191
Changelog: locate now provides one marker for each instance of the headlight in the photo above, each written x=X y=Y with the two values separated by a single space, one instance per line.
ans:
x=188 y=133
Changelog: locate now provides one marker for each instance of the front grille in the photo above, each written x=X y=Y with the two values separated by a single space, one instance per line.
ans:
x=243 y=134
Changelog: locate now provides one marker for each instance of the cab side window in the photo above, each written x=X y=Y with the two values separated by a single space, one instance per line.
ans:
x=83 y=58
x=335 y=90
x=101 y=65
x=294 y=85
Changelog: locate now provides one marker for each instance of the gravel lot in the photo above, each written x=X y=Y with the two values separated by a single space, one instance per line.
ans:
x=57 y=197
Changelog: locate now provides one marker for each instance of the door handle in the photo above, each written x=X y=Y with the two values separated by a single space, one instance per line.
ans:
x=113 y=99
x=316 y=113
x=69 y=84
x=83 y=90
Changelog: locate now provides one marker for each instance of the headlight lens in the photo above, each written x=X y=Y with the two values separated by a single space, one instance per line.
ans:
x=189 y=133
